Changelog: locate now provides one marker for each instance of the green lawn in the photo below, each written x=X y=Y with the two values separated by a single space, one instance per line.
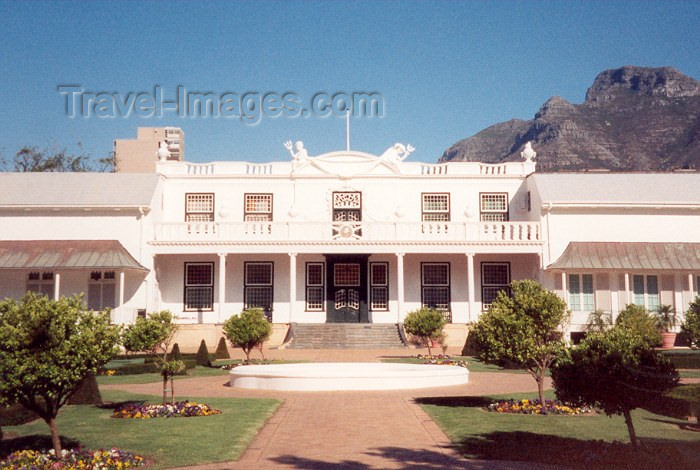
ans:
x=475 y=365
x=167 y=442
x=580 y=441
x=198 y=371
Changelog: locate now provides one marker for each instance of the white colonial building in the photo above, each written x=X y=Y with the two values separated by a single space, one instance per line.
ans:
x=348 y=237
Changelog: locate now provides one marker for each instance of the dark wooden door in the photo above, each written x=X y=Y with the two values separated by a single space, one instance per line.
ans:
x=346 y=277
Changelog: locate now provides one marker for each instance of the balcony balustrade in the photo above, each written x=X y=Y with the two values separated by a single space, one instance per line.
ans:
x=348 y=232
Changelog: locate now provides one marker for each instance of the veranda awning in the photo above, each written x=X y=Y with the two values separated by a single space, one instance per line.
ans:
x=612 y=256
x=66 y=254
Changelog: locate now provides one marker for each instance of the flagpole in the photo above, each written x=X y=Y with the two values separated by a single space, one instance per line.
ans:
x=347 y=131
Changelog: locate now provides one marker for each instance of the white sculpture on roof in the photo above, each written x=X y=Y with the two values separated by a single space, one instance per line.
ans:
x=397 y=153
x=163 y=153
x=528 y=154
x=298 y=152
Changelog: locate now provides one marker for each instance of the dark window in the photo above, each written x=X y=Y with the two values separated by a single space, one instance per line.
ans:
x=199 y=286
x=379 y=286
x=199 y=207
x=41 y=283
x=258 y=286
x=495 y=277
x=315 y=292
x=101 y=290
x=435 y=287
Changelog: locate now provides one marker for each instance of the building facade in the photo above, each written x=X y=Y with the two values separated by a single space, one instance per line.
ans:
x=349 y=237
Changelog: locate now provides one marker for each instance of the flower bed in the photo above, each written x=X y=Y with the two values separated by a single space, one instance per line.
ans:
x=180 y=409
x=72 y=459
x=534 y=407
x=441 y=359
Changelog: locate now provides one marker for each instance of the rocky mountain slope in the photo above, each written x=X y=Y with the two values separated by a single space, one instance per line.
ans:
x=633 y=119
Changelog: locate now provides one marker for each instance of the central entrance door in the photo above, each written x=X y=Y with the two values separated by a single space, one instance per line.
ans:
x=347 y=288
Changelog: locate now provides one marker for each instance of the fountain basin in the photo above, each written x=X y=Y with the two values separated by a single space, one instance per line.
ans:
x=328 y=376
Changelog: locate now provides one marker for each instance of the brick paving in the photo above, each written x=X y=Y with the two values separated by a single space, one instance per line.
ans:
x=350 y=430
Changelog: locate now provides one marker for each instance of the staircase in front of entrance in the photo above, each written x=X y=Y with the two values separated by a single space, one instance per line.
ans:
x=345 y=336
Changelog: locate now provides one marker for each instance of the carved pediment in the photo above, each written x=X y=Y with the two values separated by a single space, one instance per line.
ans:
x=346 y=164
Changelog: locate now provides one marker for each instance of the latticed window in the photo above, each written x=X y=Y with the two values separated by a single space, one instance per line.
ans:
x=315 y=287
x=199 y=286
x=258 y=208
x=436 y=207
x=581 y=292
x=495 y=277
x=258 y=290
x=435 y=285
x=646 y=291
x=42 y=283
x=347 y=200
x=102 y=289
x=494 y=207
x=346 y=274
x=379 y=286
x=199 y=207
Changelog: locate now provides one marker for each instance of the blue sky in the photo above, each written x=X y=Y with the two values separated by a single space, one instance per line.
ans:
x=445 y=70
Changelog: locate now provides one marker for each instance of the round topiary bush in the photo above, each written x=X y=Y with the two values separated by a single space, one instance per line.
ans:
x=637 y=320
x=248 y=330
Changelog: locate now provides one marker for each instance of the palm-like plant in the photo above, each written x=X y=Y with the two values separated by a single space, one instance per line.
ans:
x=666 y=317
x=599 y=321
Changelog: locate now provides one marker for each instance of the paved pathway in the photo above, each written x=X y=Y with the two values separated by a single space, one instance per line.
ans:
x=344 y=430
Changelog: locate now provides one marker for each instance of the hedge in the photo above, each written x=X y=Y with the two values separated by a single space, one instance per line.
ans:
x=150 y=367
x=684 y=359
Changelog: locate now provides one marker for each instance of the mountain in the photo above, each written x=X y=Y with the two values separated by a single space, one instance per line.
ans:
x=633 y=119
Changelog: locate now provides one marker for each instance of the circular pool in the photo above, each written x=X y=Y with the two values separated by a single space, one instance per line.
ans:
x=325 y=376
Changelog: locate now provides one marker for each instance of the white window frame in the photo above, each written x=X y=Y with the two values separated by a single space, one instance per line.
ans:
x=257 y=285
x=435 y=215
x=197 y=214
x=253 y=212
x=647 y=305
x=447 y=285
x=580 y=305
x=493 y=215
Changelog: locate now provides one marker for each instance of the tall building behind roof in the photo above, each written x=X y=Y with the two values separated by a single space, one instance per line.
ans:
x=140 y=155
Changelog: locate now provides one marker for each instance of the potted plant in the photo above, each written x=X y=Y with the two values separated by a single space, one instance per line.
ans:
x=666 y=320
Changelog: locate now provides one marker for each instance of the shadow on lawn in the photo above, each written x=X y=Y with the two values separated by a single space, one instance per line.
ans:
x=459 y=401
x=390 y=457
x=556 y=450
x=12 y=444
x=113 y=405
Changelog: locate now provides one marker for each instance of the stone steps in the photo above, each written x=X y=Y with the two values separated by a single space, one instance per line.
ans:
x=345 y=336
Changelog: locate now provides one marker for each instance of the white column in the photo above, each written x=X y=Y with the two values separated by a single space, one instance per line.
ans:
x=399 y=285
x=564 y=288
x=470 y=287
x=57 y=286
x=691 y=286
x=614 y=295
x=292 y=285
x=222 y=285
x=627 y=289
x=121 y=289
x=678 y=292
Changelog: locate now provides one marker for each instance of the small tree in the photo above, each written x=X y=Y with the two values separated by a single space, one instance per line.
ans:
x=637 y=319
x=47 y=348
x=691 y=325
x=599 y=321
x=248 y=330
x=616 y=371
x=525 y=329
x=153 y=336
x=202 y=357
x=665 y=318
x=426 y=323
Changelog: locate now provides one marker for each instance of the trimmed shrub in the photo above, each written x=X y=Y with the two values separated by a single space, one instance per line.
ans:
x=691 y=325
x=150 y=367
x=248 y=330
x=637 y=320
x=87 y=392
x=426 y=323
x=175 y=353
x=202 y=357
x=683 y=359
x=221 y=350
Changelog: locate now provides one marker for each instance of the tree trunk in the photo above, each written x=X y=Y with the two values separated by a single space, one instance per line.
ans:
x=172 y=389
x=165 y=388
x=55 y=438
x=630 y=429
x=540 y=385
x=247 y=354
x=429 y=342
